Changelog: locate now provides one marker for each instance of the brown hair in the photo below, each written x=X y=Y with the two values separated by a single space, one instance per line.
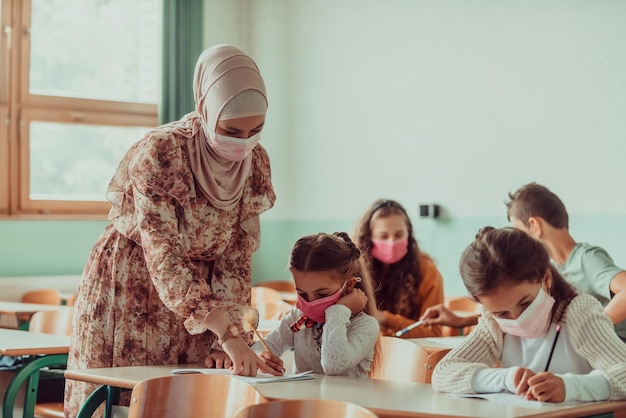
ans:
x=396 y=284
x=509 y=255
x=536 y=200
x=337 y=255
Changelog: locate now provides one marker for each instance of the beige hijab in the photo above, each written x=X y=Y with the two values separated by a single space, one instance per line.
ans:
x=221 y=73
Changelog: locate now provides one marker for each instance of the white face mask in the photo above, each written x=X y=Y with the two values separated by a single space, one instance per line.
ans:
x=534 y=321
x=234 y=149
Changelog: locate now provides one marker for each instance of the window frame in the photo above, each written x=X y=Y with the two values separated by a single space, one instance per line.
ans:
x=19 y=107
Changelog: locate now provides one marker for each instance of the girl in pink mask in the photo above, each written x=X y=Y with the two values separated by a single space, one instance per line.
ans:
x=536 y=336
x=406 y=279
x=331 y=330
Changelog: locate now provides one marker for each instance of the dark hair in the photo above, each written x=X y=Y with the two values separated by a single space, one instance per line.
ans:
x=509 y=255
x=396 y=284
x=536 y=200
x=337 y=255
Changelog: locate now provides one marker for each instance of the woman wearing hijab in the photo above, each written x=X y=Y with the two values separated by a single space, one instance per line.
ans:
x=169 y=278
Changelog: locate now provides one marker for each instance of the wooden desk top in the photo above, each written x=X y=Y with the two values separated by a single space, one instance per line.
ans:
x=384 y=397
x=24 y=343
x=438 y=342
x=12 y=308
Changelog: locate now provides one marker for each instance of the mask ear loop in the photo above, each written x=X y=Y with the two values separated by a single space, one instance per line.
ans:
x=357 y=280
x=547 y=280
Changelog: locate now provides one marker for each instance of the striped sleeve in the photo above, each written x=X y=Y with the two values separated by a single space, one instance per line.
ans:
x=481 y=349
x=593 y=337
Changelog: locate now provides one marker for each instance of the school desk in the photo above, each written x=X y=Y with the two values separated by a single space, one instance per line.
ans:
x=18 y=309
x=386 y=398
x=438 y=342
x=45 y=350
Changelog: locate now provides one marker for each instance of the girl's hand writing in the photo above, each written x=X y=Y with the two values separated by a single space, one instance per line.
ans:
x=520 y=380
x=273 y=361
x=355 y=300
x=546 y=387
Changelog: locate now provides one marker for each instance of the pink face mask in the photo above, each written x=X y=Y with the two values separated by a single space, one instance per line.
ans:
x=316 y=310
x=534 y=321
x=234 y=149
x=390 y=252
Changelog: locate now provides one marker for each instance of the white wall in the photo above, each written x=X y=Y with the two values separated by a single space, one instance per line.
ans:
x=455 y=102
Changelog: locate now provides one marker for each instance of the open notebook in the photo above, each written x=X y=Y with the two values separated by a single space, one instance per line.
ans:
x=259 y=378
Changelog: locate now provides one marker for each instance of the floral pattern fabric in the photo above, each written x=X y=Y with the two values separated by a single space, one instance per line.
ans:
x=167 y=259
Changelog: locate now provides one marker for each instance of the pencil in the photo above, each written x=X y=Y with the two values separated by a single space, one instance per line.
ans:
x=263 y=342
x=556 y=337
x=409 y=328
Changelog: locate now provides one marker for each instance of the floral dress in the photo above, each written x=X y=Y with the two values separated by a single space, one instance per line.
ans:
x=167 y=259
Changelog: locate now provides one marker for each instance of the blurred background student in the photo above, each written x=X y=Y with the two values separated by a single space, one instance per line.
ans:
x=406 y=280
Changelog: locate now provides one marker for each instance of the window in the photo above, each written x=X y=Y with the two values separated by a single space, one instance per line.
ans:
x=79 y=83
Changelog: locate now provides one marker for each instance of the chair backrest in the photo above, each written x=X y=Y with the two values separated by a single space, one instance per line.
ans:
x=326 y=408
x=273 y=310
x=71 y=301
x=278 y=285
x=43 y=296
x=264 y=294
x=459 y=304
x=52 y=322
x=405 y=361
x=192 y=396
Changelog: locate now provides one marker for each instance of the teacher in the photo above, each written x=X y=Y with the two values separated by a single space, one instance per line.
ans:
x=175 y=260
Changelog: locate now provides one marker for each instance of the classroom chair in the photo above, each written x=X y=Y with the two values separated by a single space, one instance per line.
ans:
x=71 y=301
x=273 y=310
x=51 y=322
x=460 y=304
x=44 y=296
x=264 y=294
x=326 y=408
x=279 y=285
x=406 y=361
x=192 y=396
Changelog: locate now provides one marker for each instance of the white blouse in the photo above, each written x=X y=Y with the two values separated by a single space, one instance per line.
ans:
x=344 y=345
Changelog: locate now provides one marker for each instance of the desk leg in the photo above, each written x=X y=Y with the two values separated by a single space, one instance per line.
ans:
x=103 y=394
x=29 y=372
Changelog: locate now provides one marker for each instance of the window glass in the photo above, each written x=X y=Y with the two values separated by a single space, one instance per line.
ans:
x=96 y=49
x=76 y=162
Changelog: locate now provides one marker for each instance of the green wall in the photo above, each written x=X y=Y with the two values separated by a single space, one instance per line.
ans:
x=32 y=248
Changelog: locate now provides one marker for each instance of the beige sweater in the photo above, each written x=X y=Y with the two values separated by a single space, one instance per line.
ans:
x=590 y=335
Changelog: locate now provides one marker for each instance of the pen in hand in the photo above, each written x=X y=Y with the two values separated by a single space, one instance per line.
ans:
x=556 y=337
x=409 y=328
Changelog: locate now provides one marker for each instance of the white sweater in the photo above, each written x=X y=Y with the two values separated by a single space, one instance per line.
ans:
x=589 y=356
x=346 y=345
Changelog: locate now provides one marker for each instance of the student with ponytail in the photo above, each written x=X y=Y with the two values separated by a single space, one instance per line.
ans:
x=331 y=329
x=536 y=337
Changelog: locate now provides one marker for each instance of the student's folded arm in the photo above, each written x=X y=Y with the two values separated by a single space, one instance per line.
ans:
x=616 y=308
x=594 y=338
x=482 y=349
x=586 y=387
x=346 y=343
